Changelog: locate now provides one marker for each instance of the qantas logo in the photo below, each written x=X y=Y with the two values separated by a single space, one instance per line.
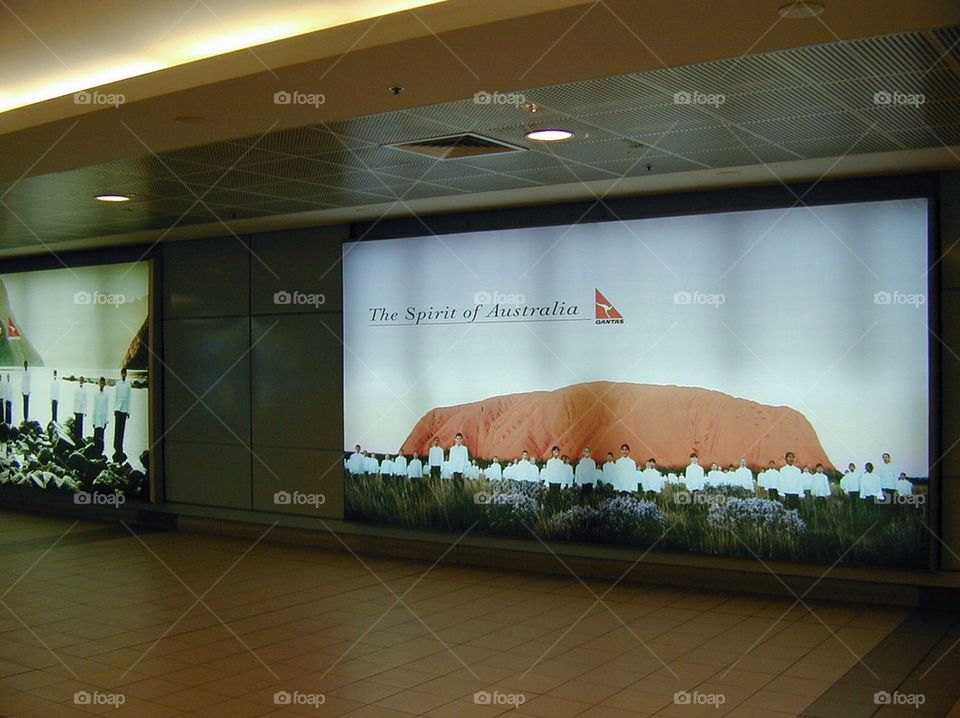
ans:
x=12 y=331
x=606 y=313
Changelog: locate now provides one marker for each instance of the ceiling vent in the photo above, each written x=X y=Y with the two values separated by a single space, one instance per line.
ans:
x=452 y=147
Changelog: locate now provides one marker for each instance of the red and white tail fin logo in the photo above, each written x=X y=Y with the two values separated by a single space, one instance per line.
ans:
x=12 y=331
x=606 y=310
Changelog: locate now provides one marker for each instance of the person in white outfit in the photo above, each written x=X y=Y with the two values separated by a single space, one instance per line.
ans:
x=79 y=410
x=99 y=414
x=904 y=486
x=54 y=396
x=651 y=479
x=526 y=470
x=435 y=459
x=415 y=467
x=693 y=476
x=355 y=462
x=610 y=471
x=626 y=476
x=400 y=466
x=870 y=483
x=586 y=473
x=850 y=483
x=820 y=483
x=25 y=391
x=459 y=458
x=494 y=472
x=888 y=473
x=567 y=474
x=553 y=472
x=790 y=477
x=743 y=476
x=121 y=411
x=768 y=477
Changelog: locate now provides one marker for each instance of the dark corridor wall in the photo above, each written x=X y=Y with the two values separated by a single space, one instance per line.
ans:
x=253 y=386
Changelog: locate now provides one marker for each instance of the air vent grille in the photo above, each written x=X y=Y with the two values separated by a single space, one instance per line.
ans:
x=451 y=147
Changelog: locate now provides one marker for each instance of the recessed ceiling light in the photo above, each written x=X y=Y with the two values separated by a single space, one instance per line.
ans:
x=113 y=197
x=553 y=135
x=800 y=10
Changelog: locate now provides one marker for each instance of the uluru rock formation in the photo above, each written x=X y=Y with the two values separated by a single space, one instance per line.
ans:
x=666 y=422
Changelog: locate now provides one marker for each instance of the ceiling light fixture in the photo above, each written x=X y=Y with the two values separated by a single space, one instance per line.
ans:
x=801 y=10
x=112 y=198
x=553 y=135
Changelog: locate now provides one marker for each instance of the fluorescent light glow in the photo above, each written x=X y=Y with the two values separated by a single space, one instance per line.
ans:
x=95 y=59
x=113 y=197
x=549 y=135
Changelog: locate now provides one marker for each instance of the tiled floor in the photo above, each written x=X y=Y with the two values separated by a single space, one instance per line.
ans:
x=169 y=624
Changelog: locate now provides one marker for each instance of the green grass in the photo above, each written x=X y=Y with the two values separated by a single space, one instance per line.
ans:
x=839 y=528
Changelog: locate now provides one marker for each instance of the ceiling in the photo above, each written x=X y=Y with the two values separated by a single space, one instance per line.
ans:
x=869 y=87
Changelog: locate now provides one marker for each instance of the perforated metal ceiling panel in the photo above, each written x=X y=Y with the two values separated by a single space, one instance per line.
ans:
x=879 y=94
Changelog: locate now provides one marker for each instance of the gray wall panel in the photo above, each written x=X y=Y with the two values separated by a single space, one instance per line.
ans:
x=207 y=278
x=296 y=473
x=207 y=358
x=305 y=262
x=207 y=474
x=298 y=381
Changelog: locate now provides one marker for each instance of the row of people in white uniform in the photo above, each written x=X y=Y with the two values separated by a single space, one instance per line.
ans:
x=624 y=475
